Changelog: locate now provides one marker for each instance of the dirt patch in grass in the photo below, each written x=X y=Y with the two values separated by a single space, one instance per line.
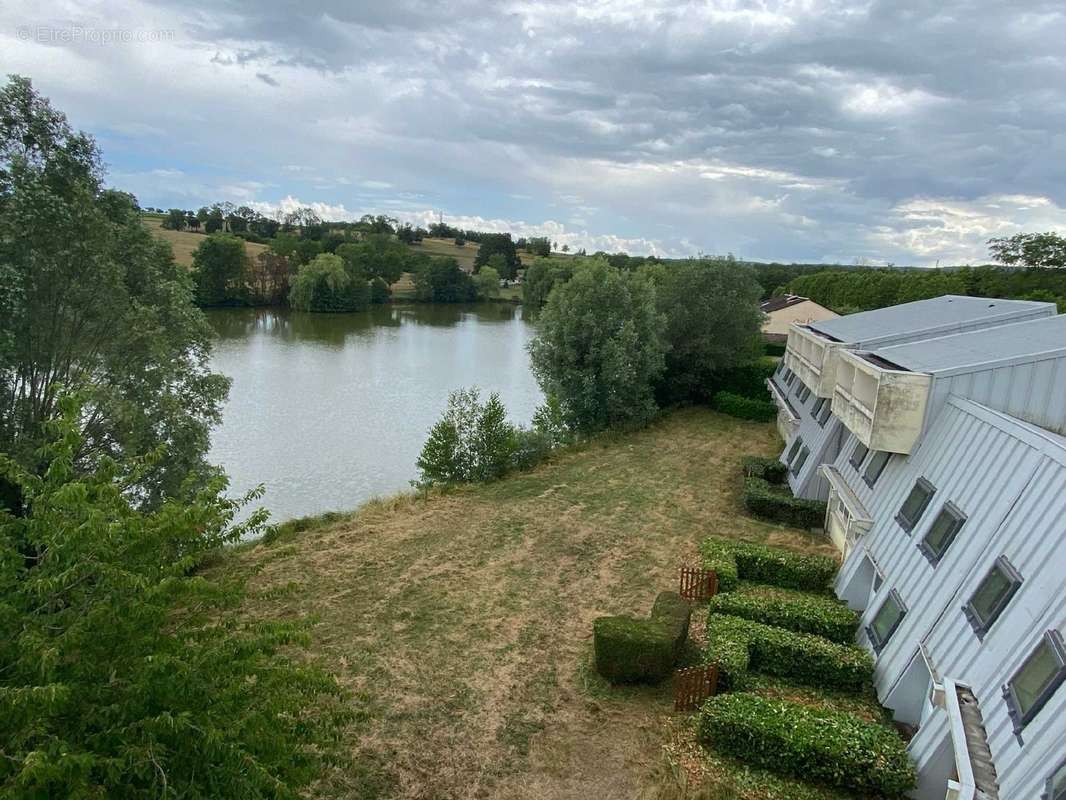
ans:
x=462 y=623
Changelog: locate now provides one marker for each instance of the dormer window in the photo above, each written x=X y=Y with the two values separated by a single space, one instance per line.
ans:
x=878 y=462
x=1036 y=680
x=914 y=506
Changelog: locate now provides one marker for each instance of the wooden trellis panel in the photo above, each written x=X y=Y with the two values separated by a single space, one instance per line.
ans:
x=698 y=584
x=694 y=685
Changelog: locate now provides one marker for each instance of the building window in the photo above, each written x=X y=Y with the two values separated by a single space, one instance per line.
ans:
x=796 y=445
x=791 y=377
x=886 y=620
x=942 y=533
x=825 y=412
x=801 y=459
x=914 y=506
x=858 y=455
x=819 y=404
x=992 y=595
x=1056 y=784
x=803 y=393
x=1036 y=681
x=876 y=466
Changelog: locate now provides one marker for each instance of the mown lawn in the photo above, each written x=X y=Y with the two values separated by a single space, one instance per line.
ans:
x=462 y=623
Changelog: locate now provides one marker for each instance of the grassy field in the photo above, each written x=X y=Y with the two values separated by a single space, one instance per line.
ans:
x=461 y=623
x=466 y=254
x=183 y=243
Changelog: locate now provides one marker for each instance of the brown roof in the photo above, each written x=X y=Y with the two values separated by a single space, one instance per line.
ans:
x=784 y=301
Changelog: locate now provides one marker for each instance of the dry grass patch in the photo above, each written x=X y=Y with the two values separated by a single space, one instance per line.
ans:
x=462 y=623
x=184 y=243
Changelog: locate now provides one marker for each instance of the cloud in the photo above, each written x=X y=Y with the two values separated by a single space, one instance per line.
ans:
x=814 y=130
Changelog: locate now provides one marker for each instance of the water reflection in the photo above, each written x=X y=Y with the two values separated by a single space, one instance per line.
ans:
x=330 y=409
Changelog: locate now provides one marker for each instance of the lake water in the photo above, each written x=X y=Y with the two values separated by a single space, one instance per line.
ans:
x=329 y=410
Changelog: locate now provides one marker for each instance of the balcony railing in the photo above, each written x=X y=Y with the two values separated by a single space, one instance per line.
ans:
x=810 y=356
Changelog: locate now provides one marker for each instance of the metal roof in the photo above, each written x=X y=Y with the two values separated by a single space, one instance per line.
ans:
x=1021 y=341
x=938 y=316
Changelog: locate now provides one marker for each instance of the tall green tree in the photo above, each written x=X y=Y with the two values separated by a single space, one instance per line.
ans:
x=125 y=672
x=442 y=280
x=713 y=323
x=92 y=302
x=1029 y=250
x=327 y=285
x=498 y=243
x=221 y=270
x=472 y=441
x=599 y=349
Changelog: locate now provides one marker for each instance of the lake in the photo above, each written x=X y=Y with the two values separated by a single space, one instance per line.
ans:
x=329 y=410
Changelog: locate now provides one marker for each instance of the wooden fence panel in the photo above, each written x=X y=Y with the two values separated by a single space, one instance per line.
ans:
x=698 y=584
x=694 y=685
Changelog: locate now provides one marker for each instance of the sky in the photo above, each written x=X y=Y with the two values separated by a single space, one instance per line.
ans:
x=889 y=131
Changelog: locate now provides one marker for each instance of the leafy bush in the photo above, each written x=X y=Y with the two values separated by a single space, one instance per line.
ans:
x=379 y=291
x=747 y=380
x=762 y=501
x=327 y=285
x=738 y=646
x=760 y=563
x=473 y=441
x=793 y=610
x=766 y=467
x=630 y=650
x=830 y=747
x=673 y=611
x=743 y=407
x=774 y=348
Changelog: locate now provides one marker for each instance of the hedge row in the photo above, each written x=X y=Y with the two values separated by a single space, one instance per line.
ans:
x=631 y=650
x=762 y=501
x=825 y=746
x=774 y=348
x=739 y=646
x=766 y=467
x=747 y=380
x=744 y=407
x=801 y=612
x=758 y=563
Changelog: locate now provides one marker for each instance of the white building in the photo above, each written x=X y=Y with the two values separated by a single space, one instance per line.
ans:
x=946 y=481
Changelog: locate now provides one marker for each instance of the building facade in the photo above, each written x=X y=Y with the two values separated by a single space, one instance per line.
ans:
x=944 y=465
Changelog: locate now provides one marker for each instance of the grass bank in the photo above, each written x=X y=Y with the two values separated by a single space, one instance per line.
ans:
x=462 y=623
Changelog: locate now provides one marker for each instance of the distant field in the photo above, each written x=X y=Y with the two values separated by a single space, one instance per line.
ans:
x=184 y=243
x=466 y=254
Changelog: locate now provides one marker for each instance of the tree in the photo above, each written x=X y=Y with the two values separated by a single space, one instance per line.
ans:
x=378 y=256
x=269 y=278
x=379 y=292
x=192 y=222
x=220 y=271
x=124 y=670
x=326 y=285
x=175 y=220
x=92 y=302
x=713 y=323
x=487 y=283
x=539 y=246
x=498 y=243
x=566 y=248
x=473 y=441
x=599 y=349
x=441 y=280
x=1029 y=250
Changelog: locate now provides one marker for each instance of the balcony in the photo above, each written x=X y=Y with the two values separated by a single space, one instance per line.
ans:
x=787 y=421
x=847 y=520
x=810 y=356
x=880 y=402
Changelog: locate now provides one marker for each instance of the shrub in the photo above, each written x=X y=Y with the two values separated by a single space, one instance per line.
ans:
x=630 y=650
x=673 y=611
x=761 y=500
x=739 y=646
x=774 y=348
x=793 y=610
x=759 y=563
x=379 y=291
x=747 y=380
x=743 y=407
x=766 y=467
x=829 y=747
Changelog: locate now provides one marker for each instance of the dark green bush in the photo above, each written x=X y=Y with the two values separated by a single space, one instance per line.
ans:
x=802 y=612
x=630 y=650
x=673 y=611
x=762 y=501
x=748 y=380
x=743 y=407
x=766 y=467
x=760 y=563
x=739 y=646
x=829 y=747
x=774 y=348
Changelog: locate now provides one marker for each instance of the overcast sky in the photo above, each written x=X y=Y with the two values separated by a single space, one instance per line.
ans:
x=805 y=130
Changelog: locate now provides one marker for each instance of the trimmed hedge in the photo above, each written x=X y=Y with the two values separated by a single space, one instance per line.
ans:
x=759 y=563
x=763 y=502
x=774 y=348
x=744 y=407
x=766 y=467
x=631 y=650
x=828 y=747
x=747 y=380
x=801 y=612
x=739 y=646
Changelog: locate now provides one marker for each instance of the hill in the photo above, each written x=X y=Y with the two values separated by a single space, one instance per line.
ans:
x=184 y=243
x=461 y=622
